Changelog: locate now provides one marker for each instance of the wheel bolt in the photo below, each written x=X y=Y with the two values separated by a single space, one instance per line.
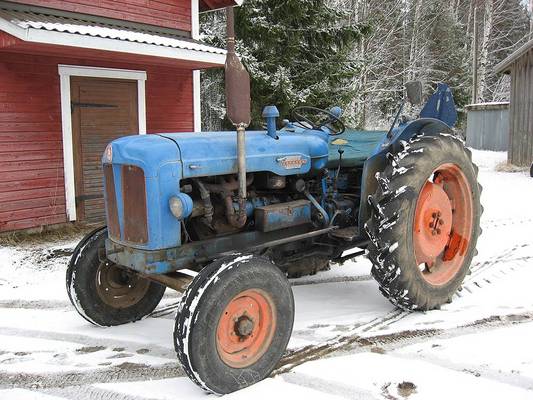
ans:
x=441 y=222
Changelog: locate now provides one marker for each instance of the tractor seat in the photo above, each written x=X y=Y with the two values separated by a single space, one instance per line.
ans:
x=358 y=146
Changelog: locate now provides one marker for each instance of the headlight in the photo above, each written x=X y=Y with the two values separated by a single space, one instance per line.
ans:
x=181 y=206
x=109 y=153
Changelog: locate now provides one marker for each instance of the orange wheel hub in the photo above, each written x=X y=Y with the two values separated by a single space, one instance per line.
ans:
x=246 y=328
x=443 y=224
x=433 y=223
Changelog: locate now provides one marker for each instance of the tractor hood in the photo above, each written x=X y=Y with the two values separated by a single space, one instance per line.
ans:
x=215 y=153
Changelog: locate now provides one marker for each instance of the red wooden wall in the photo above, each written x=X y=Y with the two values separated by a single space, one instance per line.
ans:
x=168 y=13
x=31 y=155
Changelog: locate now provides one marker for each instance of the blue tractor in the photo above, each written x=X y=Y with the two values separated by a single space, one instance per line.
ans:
x=241 y=212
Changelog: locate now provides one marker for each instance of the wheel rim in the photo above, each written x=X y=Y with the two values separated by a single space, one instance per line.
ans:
x=443 y=224
x=246 y=328
x=118 y=288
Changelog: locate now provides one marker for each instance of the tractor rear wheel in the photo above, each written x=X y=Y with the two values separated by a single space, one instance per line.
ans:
x=234 y=323
x=425 y=222
x=103 y=293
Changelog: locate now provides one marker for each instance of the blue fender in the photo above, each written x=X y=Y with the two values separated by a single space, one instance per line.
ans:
x=378 y=161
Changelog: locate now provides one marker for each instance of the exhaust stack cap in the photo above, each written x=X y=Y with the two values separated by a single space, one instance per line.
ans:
x=237 y=80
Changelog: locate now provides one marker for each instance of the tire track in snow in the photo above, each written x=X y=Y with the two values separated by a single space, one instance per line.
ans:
x=359 y=343
x=328 y=387
x=126 y=372
x=91 y=393
x=336 y=279
x=35 y=304
x=499 y=222
x=84 y=340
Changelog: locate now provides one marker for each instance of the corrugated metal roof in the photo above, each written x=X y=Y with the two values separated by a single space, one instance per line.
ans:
x=80 y=26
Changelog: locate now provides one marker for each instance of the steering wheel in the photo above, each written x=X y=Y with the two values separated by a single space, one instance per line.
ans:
x=328 y=119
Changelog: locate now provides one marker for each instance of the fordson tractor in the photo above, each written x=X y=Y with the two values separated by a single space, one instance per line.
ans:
x=241 y=212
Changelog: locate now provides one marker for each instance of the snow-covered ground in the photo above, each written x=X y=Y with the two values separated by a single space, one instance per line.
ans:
x=348 y=341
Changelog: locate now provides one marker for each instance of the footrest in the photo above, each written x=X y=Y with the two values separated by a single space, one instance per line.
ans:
x=348 y=234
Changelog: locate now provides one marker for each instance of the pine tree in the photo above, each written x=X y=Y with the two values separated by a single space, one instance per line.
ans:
x=297 y=52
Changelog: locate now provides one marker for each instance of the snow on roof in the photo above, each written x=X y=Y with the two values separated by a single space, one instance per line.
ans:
x=26 y=25
x=488 y=106
x=206 y=5
x=515 y=55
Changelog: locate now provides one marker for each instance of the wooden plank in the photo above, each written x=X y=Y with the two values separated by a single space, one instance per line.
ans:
x=47 y=191
x=13 y=166
x=13 y=137
x=30 y=126
x=32 y=117
x=23 y=204
x=6 y=226
x=32 y=155
x=32 y=213
x=153 y=13
x=15 y=176
x=9 y=147
x=14 y=186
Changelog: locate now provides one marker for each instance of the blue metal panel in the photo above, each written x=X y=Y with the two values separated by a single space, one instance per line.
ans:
x=159 y=159
x=283 y=215
x=441 y=106
x=215 y=153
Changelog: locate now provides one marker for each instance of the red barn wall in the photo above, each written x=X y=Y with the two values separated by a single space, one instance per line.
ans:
x=168 y=13
x=31 y=152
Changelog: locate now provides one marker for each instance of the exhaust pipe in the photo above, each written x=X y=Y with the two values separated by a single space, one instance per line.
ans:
x=238 y=109
x=241 y=162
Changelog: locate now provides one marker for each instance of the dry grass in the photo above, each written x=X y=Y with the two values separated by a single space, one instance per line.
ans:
x=45 y=234
x=506 y=167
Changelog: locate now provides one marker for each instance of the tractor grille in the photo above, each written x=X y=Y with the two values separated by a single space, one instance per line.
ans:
x=113 y=226
x=133 y=204
x=134 y=199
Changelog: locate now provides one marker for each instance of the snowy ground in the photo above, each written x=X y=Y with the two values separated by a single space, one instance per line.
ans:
x=348 y=341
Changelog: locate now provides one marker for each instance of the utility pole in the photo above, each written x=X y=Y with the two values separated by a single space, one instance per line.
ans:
x=530 y=19
x=474 y=58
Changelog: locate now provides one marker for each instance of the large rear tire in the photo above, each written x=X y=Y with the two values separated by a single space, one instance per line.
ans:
x=234 y=323
x=425 y=222
x=103 y=293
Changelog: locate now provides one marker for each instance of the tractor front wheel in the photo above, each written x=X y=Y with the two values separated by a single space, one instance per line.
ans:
x=425 y=222
x=103 y=293
x=234 y=323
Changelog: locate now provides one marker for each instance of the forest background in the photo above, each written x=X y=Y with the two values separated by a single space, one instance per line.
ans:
x=359 y=53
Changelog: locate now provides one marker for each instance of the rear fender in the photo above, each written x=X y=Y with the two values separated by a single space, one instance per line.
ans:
x=378 y=161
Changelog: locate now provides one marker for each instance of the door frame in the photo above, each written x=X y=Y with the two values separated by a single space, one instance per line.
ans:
x=65 y=72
